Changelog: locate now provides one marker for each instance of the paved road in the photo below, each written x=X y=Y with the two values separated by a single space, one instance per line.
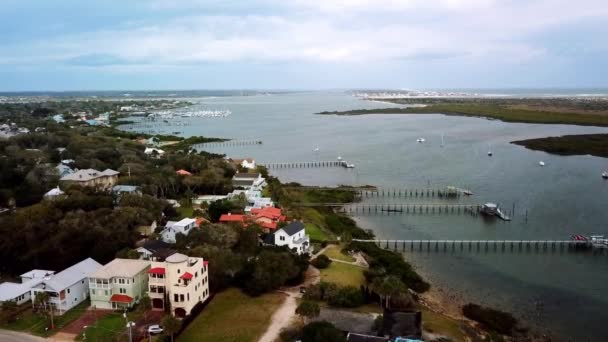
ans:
x=12 y=336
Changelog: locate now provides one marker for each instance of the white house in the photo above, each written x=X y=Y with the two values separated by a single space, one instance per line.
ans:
x=21 y=292
x=53 y=194
x=181 y=280
x=119 y=284
x=151 y=247
x=172 y=228
x=154 y=152
x=69 y=287
x=253 y=181
x=292 y=235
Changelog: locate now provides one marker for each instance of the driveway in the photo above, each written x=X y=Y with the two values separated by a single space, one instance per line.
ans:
x=12 y=336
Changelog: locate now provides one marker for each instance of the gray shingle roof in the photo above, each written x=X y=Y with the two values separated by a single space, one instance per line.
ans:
x=88 y=174
x=293 y=228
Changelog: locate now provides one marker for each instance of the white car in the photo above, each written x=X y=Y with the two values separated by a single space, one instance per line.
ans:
x=155 y=329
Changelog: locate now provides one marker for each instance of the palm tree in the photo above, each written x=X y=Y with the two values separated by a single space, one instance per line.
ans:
x=42 y=300
x=308 y=310
x=171 y=325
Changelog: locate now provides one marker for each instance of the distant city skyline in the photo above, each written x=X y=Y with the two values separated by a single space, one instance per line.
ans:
x=70 y=45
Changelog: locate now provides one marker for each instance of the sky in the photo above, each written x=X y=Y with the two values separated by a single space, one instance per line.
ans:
x=64 y=45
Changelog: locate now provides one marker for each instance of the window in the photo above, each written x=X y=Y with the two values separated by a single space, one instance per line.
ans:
x=82 y=281
x=282 y=238
x=106 y=291
x=122 y=290
x=181 y=297
x=175 y=298
x=93 y=292
x=188 y=296
x=178 y=271
x=68 y=290
x=195 y=274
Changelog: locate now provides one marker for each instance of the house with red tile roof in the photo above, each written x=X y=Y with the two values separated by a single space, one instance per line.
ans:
x=267 y=218
x=183 y=172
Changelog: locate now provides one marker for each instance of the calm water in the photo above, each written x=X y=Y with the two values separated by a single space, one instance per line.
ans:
x=567 y=196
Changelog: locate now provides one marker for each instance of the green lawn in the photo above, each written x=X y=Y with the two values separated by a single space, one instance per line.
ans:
x=36 y=324
x=343 y=274
x=233 y=316
x=185 y=212
x=441 y=325
x=108 y=327
x=315 y=232
x=335 y=252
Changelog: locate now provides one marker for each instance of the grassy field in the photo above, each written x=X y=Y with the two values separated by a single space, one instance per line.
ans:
x=335 y=252
x=503 y=113
x=231 y=309
x=343 y=274
x=36 y=324
x=593 y=144
x=441 y=325
x=315 y=232
x=185 y=212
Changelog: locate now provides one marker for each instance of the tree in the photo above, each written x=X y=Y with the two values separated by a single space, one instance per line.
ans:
x=322 y=332
x=308 y=310
x=322 y=261
x=218 y=208
x=171 y=325
x=41 y=300
x=145 y=304
x=388 y=286
x=270 y=271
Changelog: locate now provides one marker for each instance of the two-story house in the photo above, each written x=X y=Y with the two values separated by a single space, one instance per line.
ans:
x=292 y=235
x=173 y=228
x=181 y=280
x=69 y=287
x=104 y=180
x=119 y=284
x=247 y=181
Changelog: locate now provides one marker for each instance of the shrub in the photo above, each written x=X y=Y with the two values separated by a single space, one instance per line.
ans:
x=322 y=261
x=321 y=332
x=499 y=321
x=347 y=297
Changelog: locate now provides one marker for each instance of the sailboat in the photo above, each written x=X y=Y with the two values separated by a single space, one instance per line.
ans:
x=316 y=149
x=605 y=174
x=541 y=163
x=489 y=151
x=420 y=140
x=442 y=142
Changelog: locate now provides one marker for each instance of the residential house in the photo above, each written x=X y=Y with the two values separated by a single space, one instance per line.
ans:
x=247 y=181
x=119 y=284
x=63 y=170
x=182 y=172
x=151 y=247
x=92 y=178
x=20 y=293
x=119 y=190
x=154 y=152
x=54 y=193
x=69 y=287
x=246 y=163
x=173 y=228
x=268 y=218
x=292 y=235
x=181 y=280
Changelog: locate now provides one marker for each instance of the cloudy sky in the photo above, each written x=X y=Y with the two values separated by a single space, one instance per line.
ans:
x=302 y=44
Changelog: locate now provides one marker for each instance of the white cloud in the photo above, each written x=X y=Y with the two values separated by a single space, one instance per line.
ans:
x=323 y=31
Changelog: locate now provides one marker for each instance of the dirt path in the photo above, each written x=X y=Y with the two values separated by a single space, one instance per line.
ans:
x=281 y=318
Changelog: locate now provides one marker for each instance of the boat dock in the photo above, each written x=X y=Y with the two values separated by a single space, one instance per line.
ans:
x=479 y=245
x=307 y=164
x=231 y=143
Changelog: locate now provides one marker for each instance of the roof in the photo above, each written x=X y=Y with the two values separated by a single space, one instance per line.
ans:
x=232 y=218
x=184 y=222
x=176 y=258
x=126 y=268
x=269 y=212
x=293 y=228
x=187 y=276
x=269 y=239
x=54 y=192
x=201 y=220
x=183 y=172
x=155 y=245
x=9 y=291
x=163 y=253
x=121 y=298
x=125 y=188
x=72 y=274
x=269 y=225
x=246 y=175
x=37 y=274
x=353 y=337
x=157 y=270
x=88 y=174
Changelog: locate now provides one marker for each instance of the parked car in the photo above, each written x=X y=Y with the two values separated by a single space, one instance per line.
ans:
x=155 y=329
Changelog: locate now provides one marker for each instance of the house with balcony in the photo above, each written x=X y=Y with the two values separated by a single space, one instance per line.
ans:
x=103 y=180
x=253 y=181
x=179 y=281
x=292 y=235
x=67 y=288
x=119 y=284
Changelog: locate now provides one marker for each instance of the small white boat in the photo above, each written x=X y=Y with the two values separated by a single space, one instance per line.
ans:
x=316 y=149
x=420 y=140
x=490 y=153
x=339 y=158
x=605 y=174
x=541 y=163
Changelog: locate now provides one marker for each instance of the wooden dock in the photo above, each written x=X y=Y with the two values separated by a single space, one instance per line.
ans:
x=232 y=143
x=478 y=245
x=304 y=164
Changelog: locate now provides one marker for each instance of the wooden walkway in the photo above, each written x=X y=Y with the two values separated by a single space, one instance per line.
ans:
x=470 y=245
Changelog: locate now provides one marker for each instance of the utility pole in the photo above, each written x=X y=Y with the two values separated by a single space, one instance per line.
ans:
x=129 y=325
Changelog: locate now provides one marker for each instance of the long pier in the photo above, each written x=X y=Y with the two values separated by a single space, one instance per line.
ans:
x=231 y=143
x=479 y=245
x=304 y=164
x=373 y=192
